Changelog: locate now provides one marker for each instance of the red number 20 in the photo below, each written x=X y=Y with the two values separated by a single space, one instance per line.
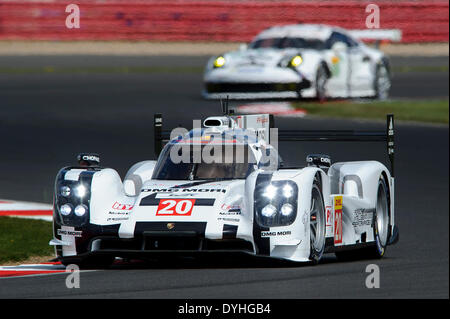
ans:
x=177 y=207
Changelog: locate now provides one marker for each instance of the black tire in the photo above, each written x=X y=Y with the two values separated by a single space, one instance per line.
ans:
x=321 y=81
x=382 y=88
x=317 y=231
x=381 y=229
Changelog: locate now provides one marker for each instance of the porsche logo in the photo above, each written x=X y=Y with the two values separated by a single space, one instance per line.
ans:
x=170 y=225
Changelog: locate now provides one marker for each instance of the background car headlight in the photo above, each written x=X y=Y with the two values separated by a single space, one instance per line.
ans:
x=219 y=62
x=296 y=61
x=269 y=210
x=65 y=191
x=287 y=209
x=65 y=209
x=80 y=210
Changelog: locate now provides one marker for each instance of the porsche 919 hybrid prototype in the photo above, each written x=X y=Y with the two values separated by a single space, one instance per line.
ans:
x=190 y=204
x=301 y=61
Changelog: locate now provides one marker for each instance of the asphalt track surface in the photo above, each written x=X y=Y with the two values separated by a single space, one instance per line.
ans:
x=47 y=119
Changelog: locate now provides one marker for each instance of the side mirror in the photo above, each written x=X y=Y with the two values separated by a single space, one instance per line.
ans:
x=339 y=47
x=243 y=47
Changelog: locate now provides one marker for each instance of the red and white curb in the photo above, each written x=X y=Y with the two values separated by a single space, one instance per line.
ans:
x=279 y=109
x=32 y=269
x=26 y=210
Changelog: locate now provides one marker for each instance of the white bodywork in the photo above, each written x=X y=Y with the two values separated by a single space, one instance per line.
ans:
x=351 y=66
x=229 y=204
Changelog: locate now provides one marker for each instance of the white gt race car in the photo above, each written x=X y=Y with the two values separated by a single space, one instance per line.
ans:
x=302 y=61
x=222 y=189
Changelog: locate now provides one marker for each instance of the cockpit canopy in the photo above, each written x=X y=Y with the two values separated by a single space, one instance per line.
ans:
x=209 y=155
x=204 y=162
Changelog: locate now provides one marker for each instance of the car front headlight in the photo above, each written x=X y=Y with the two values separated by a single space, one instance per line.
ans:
x=291 y=61
x=65 y=191
x=275 y=203
x=287 y=209
x=65 y=209
x=296 y=61
x=80 y=210
x=270 y=191
x=269 y=211
x=219 y=62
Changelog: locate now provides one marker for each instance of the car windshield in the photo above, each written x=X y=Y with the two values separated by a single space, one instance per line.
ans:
x=284 y=43
x=219 y=164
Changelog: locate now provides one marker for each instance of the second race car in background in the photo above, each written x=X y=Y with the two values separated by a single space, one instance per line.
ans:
x=307 y=61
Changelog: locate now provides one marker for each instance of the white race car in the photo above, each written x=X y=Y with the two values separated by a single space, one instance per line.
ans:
x=307 y=61
x=228 y=194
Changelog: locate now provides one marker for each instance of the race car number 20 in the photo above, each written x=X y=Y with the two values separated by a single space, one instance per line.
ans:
x=175 y=207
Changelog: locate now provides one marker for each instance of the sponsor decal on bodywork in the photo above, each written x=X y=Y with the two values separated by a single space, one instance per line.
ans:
x=362 y=217
x=119 y=206
x=74 y=233
x=338 y=219
x=175 y=207
x=275 y=233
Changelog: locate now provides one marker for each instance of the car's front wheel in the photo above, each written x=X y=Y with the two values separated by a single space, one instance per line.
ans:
x=321 y=82
x=317 y=222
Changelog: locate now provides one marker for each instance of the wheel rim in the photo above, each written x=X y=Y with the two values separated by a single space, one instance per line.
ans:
x=382 y=215
x=317 y=229
x=383 y=83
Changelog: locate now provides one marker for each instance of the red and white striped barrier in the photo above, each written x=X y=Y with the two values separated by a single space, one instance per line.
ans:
x=32 y=269
x=26 y=210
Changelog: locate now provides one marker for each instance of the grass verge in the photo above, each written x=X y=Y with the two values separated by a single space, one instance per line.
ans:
x=429 y=111
x=21 y=239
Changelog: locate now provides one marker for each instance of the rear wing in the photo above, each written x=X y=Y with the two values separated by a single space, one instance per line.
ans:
x=346 y=136
x=393 y=35
x=377 y=35
x=162 y=137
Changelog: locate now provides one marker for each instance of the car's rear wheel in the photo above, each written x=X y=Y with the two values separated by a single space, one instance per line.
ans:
x=317 y=222
x=382 y=82
x=381 y=227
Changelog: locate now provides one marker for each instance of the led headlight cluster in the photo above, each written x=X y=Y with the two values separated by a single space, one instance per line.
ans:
x=72 y=202
x=276 y=203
